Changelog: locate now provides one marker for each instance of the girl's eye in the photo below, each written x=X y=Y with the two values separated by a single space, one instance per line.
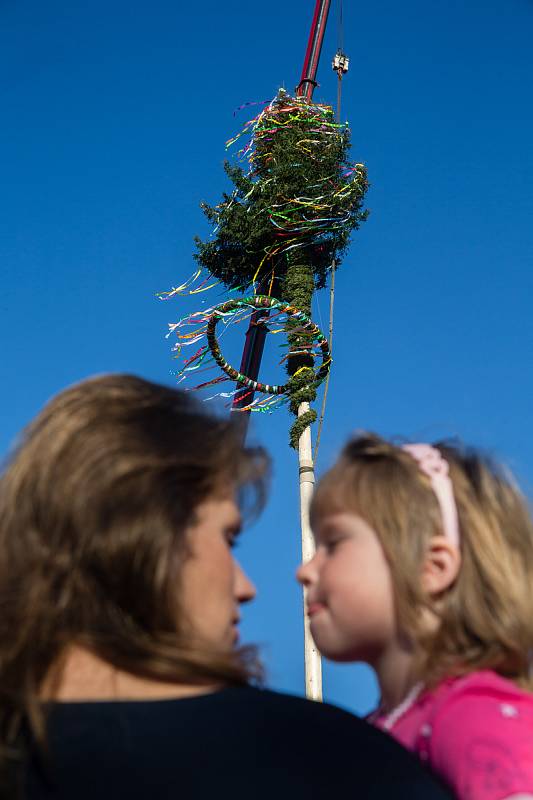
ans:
x=331 y=545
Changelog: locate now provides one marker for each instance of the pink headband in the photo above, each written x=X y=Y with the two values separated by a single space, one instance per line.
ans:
x=432 y=464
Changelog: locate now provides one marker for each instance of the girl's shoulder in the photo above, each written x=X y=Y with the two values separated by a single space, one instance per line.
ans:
x=478 y=735
x=482 y=683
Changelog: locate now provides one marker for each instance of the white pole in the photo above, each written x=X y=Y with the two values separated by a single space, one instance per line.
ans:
x=313 y=663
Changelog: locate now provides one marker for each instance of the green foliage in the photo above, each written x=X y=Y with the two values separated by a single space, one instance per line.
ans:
x=299 y=193
x=289 y=216
x=302 y=389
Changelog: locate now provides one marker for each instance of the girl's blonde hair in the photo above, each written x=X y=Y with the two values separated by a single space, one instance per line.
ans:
x=486 y=616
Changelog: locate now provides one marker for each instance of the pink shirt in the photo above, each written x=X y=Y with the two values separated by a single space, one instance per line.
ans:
x=476 y=732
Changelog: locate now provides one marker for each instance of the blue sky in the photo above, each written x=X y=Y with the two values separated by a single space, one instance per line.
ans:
x=113 y=121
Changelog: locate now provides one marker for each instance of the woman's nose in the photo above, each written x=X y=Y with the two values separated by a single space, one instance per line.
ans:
x=244 y=588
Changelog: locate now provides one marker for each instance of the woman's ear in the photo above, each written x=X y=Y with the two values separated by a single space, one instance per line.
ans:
x=441 y=565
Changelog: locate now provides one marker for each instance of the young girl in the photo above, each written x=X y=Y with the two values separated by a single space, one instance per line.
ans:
x=424 y=570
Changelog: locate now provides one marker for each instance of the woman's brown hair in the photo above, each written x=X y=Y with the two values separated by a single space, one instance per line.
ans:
x=94 y=505
x=486 y=616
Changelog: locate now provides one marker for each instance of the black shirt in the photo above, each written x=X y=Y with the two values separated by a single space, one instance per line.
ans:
x=234 y=743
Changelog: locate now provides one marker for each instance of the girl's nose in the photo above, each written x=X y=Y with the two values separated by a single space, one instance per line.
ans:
x=306 y=574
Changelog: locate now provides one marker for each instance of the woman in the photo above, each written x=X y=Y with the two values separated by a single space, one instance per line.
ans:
x=120 y=671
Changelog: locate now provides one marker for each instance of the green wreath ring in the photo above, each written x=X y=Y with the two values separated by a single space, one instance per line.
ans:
x=261 y=301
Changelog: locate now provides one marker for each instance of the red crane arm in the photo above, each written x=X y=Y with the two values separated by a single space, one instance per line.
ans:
x=314 y=47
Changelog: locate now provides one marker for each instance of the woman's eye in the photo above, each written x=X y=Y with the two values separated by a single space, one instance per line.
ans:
x=232 y=539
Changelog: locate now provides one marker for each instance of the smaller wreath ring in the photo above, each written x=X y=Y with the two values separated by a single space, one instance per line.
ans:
x=261 y=301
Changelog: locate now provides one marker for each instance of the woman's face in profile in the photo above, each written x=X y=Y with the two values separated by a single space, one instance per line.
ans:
x=213 y=584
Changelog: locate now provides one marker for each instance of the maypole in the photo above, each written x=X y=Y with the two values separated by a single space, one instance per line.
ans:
x=256 y=334
x=250 y=364
x=295 y=202
x=306 y=466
